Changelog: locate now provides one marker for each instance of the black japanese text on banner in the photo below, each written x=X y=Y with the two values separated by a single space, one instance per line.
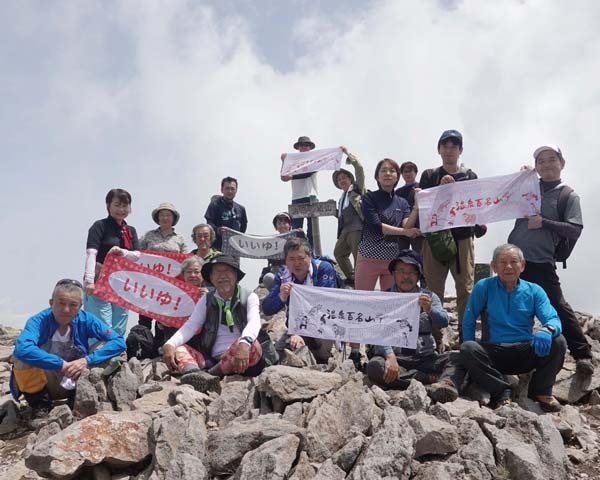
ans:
x=239 y=244
x=485 y=200
x=376 y=318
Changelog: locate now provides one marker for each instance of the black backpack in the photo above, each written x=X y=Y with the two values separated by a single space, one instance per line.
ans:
x=339 y=280
x=140 y=343
x=565 y=246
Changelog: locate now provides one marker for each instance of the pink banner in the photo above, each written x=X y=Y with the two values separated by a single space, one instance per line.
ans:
x=168 y=263
x=144 y=290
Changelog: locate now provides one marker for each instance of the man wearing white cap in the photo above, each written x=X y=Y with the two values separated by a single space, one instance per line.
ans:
x=538 y=237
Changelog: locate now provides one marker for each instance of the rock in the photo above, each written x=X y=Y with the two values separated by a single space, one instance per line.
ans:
x=176 y=432
x=594 y=398
x=115 y=438
x=529 y=446
x=6 y=352
x=347 y=455
x=185 y=466
x=227 y=446
x=86 y=397
x=440 y=471
x=346 y=370
x=476 y=449
x=334 y=419
x=414 y=399
x=62 y=415
x=572 y=387
x=189 y=398
x=303 y=469
x=155 y=401
x=9 y=417
x=102 y=472
x=329 y=471
x=292 y=384
x=136 y=368
x=434 y=436
x=461 y=406
x=232 y=401
x=122 y=387
x=382 y=399
x=146 y=388
x=160 y=371
x=46 y=432
x=272 y=460
x=293 y=414
x=585 y=436
x=390 y=451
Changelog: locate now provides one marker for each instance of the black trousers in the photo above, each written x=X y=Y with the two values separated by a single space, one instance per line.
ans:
x=299 y=222
x=544 y=274
x=488 y=362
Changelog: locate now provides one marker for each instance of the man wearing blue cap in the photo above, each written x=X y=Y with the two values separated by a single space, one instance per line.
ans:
x=538 y=235
x=462 y=263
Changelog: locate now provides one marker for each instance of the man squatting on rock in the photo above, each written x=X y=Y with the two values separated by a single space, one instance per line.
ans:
x=230 y=321
x=423 y=363
x=53 y=349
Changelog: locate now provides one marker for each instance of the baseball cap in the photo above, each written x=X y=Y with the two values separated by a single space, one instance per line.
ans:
x=544 y=148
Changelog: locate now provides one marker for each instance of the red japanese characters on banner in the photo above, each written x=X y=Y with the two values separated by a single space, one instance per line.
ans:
x=168 y=263
x=147 y=291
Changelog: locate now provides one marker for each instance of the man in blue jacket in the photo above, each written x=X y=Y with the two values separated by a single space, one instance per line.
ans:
x=52 y=350
x=300 y=268
x=508 y=344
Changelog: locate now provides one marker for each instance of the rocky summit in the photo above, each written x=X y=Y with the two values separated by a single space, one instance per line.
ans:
x=318 y=422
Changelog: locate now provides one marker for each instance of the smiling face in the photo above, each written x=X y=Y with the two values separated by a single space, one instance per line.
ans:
x=224 y=279
x=165 y=219
x=282 y=225
x=298 y=263
x=406 y=276
x=343 y=181
x=387 y=176
x=118 y=209
x=65 y=305
x=549 y=165
x=202 y=238
x=508 y=265
x=193 y=275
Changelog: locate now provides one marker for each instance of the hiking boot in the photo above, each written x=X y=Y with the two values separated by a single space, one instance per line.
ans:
x=443 y=391
x=426 y=378
x=584 y=366
x=202 y=381
x=548 y=403
x=505 y=398
x=356 y=359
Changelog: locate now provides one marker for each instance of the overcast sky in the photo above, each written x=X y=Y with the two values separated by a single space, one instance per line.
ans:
x=166 y=98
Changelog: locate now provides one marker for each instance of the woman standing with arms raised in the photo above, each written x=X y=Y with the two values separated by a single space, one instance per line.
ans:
x=104 y=234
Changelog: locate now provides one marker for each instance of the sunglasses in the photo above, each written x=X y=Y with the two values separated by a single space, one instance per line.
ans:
x=68 y=281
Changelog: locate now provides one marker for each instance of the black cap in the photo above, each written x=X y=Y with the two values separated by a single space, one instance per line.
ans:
x=450 y=134
x=224 y=259
x=407 y=256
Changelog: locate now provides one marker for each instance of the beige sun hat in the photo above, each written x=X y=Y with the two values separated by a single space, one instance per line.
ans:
x=166 y=206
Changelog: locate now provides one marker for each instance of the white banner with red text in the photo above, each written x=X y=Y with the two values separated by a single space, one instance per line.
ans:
x=147 y=291
x=313 y=161
x=481 y=201
x=376 y=318
x=168 y=263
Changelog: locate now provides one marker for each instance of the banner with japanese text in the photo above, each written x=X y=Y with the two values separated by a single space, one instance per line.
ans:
x=239 y=244
x=376 y=318
x=312 y=161
x=144 y=290
x=481 y=201
x=168 y=263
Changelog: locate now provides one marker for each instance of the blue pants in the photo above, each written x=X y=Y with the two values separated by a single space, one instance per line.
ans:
x=113 y=315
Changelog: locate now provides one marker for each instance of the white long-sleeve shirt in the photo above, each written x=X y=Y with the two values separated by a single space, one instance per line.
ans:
x=224 y=336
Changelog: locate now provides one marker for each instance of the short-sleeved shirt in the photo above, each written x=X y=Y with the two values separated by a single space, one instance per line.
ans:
x=304 y=186
x=105 y=234
x=538 y=244
x=158 y=241
x=382 y=207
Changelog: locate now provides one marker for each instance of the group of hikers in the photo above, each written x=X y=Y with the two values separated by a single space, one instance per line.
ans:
x=378 y=242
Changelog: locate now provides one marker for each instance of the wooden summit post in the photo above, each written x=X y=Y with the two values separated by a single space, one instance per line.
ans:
x=314 y=210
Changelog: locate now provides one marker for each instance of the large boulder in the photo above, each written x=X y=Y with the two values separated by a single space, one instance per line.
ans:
x=332 y=420
x=227 y=446
x=116 y=438
x=272 y=460
x=293 y=384
x=122 y=387
x=232 y=402
x=390 y=451
x=434 y=436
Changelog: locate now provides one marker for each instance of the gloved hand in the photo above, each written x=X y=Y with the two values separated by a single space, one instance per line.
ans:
x=542 y=341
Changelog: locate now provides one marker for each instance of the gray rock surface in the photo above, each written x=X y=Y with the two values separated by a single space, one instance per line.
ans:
x=434 y=436
x=303 y=469
x=122 y=387
x=272 y=460
x=347 y=455
x=232 y=401
x=329 y=471
x=86 y=397
x=291 y=384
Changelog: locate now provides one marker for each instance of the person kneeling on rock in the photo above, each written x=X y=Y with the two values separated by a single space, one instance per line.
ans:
x=53 y=349
x=394 y=367
x=228 y=319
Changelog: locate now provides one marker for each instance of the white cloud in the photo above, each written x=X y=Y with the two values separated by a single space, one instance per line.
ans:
x=166 y=98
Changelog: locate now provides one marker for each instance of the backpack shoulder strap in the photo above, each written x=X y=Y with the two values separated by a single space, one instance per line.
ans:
x=563 y=199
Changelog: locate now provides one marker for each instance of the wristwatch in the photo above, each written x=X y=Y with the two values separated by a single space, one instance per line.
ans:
x=247 y=340
x=551 y=329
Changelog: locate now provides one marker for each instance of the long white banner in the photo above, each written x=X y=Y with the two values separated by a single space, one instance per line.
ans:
x=376 y=318
x=480 y=201
x=313 y=161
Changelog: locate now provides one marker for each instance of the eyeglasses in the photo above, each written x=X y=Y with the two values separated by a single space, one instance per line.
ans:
x=406 y=272
x=68 y=281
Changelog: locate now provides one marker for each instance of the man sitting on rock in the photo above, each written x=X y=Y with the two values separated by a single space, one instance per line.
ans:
x=300 y=269
x=393 y=367
x=508 y=344
x=53 y=349
x=228 y=319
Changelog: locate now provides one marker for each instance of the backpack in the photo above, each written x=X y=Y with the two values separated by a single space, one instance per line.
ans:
x=565 y=246
x=442 y=244
x=140 y=343
x=339 y=281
